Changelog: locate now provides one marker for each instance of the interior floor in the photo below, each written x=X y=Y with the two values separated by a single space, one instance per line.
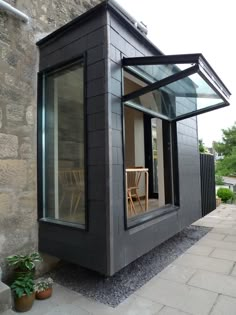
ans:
x=152 y=205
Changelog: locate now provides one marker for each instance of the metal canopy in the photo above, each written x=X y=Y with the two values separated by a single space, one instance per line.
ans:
x=176 y=86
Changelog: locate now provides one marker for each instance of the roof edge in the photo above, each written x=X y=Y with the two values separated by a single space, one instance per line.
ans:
x=105 y=5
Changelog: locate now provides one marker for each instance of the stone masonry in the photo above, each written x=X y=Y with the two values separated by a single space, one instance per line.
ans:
x=18 y=104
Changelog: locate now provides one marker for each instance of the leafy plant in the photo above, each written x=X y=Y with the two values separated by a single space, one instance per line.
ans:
x=227 y=166
x=219 y=180
x=225 y=194
x=202 y=147
x=24 y=262
x=23 y=286
x=43 y=284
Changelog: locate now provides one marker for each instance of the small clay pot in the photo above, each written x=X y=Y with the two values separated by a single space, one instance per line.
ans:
x=24 y=303
x=44 y=294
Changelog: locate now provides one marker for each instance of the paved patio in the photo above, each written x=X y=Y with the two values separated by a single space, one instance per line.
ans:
x=202 y=281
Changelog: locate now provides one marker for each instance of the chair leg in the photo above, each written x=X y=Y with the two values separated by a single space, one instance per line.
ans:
x=77 y=202
x=71 y=203
x=139 y=201
x=62 y=199
x=132 y=207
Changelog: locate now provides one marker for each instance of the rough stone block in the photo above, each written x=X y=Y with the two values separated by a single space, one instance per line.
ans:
x=15 y=112
x=8 y=146
x=5 y=206
x=26 y=151
x=13 y=174
x=30 y=115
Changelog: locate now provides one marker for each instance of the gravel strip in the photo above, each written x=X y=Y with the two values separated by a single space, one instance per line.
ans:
x=113 y=290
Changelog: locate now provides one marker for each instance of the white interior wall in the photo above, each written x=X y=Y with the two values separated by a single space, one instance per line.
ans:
x=160 y=163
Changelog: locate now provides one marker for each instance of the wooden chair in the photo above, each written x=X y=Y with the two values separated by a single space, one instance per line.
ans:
x=133 y=181
x=72 y=184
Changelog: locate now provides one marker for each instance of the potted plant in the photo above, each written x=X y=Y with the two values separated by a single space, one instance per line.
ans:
x=43 y=288
x=23 y=291
x=24 y=264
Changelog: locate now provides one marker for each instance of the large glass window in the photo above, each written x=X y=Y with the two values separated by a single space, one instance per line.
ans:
x=144 y=158
x=64 y=145
x=158 y=91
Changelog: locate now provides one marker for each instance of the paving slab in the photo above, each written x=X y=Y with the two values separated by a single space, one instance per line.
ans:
x=177 y=273
x=217 y=244
x=214 y=282
x=224 y=305
x=233 y=272
x=224 y=254
x=68 y=309
x=231 y=231
x=171 y=311
x=205 y=263
x=93 y=307
x=9 y=312
x=180 y=296
x=230 y=238
x=214 y=236
x=136 y=305
x=200 y=250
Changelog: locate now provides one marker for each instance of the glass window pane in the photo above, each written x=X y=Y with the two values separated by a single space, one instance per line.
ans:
x=180 y=97
x=143 y=142
x=64 y=180
x=176 y=87
x=154 y=73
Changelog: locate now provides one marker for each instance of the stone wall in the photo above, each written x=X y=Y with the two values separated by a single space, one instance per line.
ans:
x=18 y=101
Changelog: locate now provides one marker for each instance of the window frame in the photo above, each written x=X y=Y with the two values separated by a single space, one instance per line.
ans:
x=199 y=65
x=80 y=59
x=172 y=183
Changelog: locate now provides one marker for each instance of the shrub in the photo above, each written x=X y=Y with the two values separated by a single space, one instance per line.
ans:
x=219 y=180
x=225 y=194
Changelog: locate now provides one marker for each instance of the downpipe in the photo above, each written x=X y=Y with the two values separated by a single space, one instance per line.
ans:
x=4 y=6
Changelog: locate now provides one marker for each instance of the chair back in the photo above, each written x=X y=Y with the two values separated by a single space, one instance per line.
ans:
x=133 y=178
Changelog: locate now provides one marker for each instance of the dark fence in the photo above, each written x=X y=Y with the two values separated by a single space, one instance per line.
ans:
x=207 y=165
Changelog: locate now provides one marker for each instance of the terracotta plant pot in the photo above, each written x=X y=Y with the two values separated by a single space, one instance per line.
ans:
x=24 y=303
x=44 y=294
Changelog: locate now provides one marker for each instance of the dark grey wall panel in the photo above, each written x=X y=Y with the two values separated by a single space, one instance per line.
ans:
x=130 y=244
x=71 y=243
x=88 y=28
x=70 y=50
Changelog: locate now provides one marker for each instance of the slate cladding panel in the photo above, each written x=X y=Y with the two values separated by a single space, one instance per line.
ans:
x=130 y=244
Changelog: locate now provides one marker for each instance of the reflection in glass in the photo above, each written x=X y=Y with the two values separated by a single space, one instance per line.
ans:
x=142 y=197
x=154 y=73
x=181 y=97
x=64 y=183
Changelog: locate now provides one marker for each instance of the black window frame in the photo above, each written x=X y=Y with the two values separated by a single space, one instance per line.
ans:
x=199 y=65
x=171 y=173
x=82 y=58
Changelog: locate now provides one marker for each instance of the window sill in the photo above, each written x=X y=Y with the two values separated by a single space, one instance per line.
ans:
x=63 y=223
x=150 y=215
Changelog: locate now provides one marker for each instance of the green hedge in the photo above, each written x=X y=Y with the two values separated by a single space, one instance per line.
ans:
x=225 y=194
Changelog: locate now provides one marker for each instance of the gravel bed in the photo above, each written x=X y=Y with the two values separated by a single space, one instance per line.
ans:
x=113 y=290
